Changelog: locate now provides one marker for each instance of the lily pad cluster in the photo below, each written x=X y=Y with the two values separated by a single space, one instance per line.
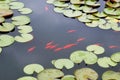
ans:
x=86 y=11
x=89 y=57
x=19 y=22
x=56 y=74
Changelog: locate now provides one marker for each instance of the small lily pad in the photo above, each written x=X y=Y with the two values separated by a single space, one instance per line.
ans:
x=24 y=38
x=58 y=9
x=116 y=57
x=25 y=29
x=21 y=20
x=60 y=4
x=85 y=74
x=60 y=63
x=50 y=74
x=71 y=13
x=31 y=68
x=6 y=27
x=106 y=62
x=83 y=18
x=4 y=6
x=25 y=10
x=27 y=78
x=111 y=75
x=6 y=12
x=16 y=5
x=6 y=40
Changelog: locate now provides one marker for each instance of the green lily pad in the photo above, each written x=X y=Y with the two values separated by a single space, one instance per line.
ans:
x=92 y=24
x=4 y=6
x=60 y=63
x=50 y=74
x=31 y=68
x=21 y=20
x=75 y=1
x=58 y=9
x=25 y=29
x=111 y=75
x=71 y=13
x=50 y=1
x=16 y=5
x=68 y=77
x=100 y=14
x=113 y=4
x=84 y=18
x=79 y=56
x=87 y=9
x=106 y=62
x=92 y=3
x=75 y=7
x=95 y=49
x=6 y=40
x=60 y=4
x=2 y=19
x=27 y=78
x=116 y=57
x=6 y=27
x=25 y=10
x=85 y=74
x=24 y=38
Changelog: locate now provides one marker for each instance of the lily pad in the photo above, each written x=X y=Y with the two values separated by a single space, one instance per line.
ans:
x=116 y=57
x=6 y=12
x=25 y=10
x=16 y=5
x=31 y=68
x=6 y=40
x=27 y=78
x=111 y=75
x=25 y=29
x=21 y=20
x=86 y=74
x=24 y=38
x=106 y=62
x=50 y=74
x=6 y=27
x=4 y=6
x=60 y=63
x=71 y=13
x=68 y=77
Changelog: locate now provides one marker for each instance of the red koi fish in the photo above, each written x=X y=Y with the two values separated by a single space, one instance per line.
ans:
x=53 y=46
x=80 y=39
x=49 y=43
x=58 y=49
x=71 y=31
x=31 y=49
x=113 y=46
x=69 y=46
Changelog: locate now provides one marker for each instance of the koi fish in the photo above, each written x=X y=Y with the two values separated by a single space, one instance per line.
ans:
x=71 y=31
x=53 y=46
x=49 y=43
x=69 y=46
x=58 y=49
x=113 y=46
x=31 y=49
x=80 y=39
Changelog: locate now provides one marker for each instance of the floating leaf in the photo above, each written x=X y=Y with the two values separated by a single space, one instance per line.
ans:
x=60 y=4
x=25 y=10
x=87 y=9
x=100 y=14
x=84 y=18
x=5 y=12
x=16 y=5
x=106 y=62
x=25 y=29
x=58 y=9
x=95 y=49
x=85 y=74
x=27 y=78
x=51 y=74
x=60 y=63
x=6 y=27
x=71 y=13
x=24 y=38
x=111 y=75
x=2 y=19
x=6 y=40
x=21 y=20
x=31 y=68
x=116 y=57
